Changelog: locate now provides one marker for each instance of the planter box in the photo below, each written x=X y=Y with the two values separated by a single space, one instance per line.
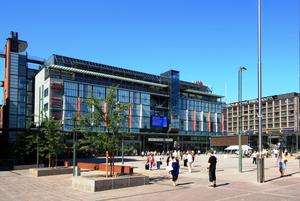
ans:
x=94 y=184
x=50 y=171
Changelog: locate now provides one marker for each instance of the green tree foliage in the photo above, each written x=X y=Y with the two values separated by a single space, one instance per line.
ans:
x=96 y=141
x=48 y=138
x=53 y=143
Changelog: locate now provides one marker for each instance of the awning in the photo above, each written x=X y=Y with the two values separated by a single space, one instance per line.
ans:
x=236 y=147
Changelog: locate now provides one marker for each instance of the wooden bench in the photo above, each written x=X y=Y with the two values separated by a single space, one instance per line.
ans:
x=121 y=169
x=88 y=166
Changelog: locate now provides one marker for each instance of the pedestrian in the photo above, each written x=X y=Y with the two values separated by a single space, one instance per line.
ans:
x=142 y=154
x=189 y=161
x=285 y=156
x=212 y=164
x=254 y=157
x=158 y=160
x=184 y=158
x=175 y=170
x=275 y=153
x=281 y=164
x=150 y=161
x=169 y=158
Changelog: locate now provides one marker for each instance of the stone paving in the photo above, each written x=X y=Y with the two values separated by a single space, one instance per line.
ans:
x=19 y=185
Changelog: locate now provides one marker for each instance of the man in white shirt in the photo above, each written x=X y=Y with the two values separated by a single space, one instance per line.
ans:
x=190 y=161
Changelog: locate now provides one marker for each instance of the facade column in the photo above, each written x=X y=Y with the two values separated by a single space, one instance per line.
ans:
x=287 y=112
x=254 y=113
x=273 y=113
x=279 y=113
x=248 y=117
x=232 y=120
x=237 y=119
x=267 y=117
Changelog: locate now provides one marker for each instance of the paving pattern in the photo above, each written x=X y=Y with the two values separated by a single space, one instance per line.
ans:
x=19 y=185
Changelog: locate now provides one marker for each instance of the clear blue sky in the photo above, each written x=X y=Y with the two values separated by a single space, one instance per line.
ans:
x=204 y=39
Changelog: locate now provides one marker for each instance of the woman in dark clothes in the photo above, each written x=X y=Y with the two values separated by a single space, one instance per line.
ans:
x=175 y=171
x=212 y=161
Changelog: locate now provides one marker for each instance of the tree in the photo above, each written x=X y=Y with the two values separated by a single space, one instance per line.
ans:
x=52 y=143
x=108 y=113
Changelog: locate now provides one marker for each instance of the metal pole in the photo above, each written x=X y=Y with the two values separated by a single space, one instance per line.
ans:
x=240 y=97
x=74 y=152
x=297 y=135
x=260 y=167
x=37 y=150
x=239 y=115
x=122 y=151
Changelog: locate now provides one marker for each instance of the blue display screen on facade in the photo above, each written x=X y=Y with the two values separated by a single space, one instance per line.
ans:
x=157 y=121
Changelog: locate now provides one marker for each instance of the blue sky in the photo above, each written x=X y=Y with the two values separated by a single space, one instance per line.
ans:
x=205 y=40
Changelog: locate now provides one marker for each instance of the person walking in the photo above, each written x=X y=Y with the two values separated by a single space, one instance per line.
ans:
x=150 y=161
x=158 y=160
x=184 y=158
x=175 y=170
x=254 y=157
x=189 y=161
x=281 y=164
x=212 y=164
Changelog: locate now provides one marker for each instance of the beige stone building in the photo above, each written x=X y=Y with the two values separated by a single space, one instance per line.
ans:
x=280 y=117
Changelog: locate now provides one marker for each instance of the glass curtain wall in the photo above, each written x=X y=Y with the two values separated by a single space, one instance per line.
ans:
x=139 y=101
x=194 y=116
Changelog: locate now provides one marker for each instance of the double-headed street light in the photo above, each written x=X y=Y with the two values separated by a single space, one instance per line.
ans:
x=240 y=97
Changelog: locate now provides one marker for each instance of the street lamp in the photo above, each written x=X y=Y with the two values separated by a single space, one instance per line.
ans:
x=240 y=96
x=74 y=148
x=260 y=161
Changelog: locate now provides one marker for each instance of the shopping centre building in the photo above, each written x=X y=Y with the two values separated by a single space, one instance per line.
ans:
x=166 y=112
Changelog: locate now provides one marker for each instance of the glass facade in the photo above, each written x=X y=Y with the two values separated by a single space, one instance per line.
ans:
x=199 y=116
x=139 y=101
x=21 y=92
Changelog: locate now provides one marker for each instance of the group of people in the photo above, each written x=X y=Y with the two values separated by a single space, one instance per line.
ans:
x=173 y=166
x=281 y=159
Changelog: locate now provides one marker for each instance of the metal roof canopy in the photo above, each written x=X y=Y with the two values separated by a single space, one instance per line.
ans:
x=203 y=93
x=105 y=75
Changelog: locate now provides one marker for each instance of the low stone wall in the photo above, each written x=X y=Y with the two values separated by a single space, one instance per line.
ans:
x=23 y=167
x=94 y=184
x=50 y=171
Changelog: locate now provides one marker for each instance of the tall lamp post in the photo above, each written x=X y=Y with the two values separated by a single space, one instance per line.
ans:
x=240 y=96
x=260 y=161
x=74 y=148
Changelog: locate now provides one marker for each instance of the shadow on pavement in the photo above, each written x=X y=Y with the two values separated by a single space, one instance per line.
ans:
x=276 y=178
x=186 y=183
x=160 y=178
x=225 y=184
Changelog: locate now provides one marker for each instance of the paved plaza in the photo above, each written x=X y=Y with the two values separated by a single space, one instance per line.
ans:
x=19 y=185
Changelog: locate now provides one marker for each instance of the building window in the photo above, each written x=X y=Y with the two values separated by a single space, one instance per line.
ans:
x=46 y=92
x=46 y=106
x=70 y=89
x=123 y=96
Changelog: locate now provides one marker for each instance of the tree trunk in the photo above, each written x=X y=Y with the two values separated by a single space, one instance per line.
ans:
x=49 y=165
x=110 y=164
x=106 y=167
x=55 y=160
x=113 y=164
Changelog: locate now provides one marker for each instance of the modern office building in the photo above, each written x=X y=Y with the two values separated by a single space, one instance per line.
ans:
x=164 y=110
x=280 y=119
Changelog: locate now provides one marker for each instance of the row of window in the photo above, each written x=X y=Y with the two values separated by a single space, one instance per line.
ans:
x=199 y=105
x=87 y=91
